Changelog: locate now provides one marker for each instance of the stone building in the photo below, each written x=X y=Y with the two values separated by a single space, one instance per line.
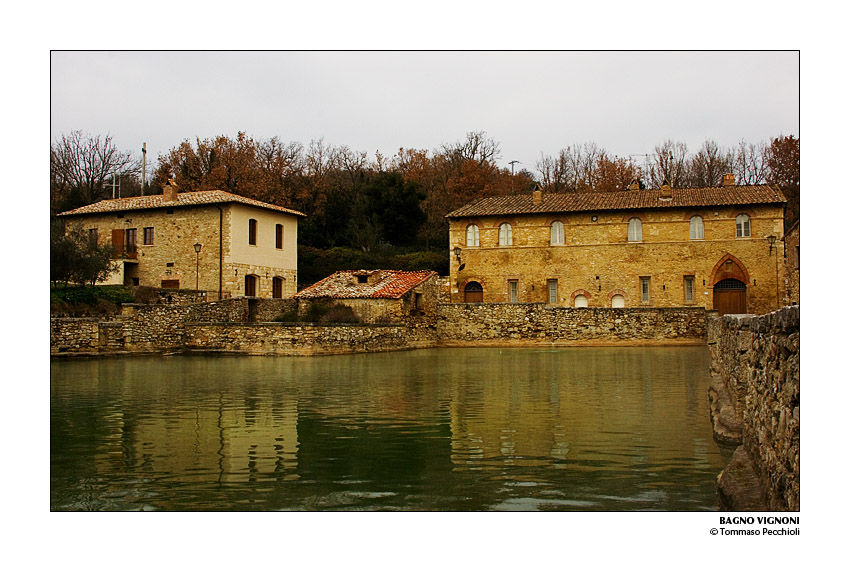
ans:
x=378 y=295
x=792 y=262
x=213 y=241
x=718 y=248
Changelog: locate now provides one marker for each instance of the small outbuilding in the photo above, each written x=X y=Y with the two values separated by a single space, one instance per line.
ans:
x=376 y=295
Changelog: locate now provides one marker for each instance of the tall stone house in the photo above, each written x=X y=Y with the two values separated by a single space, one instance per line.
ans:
x=213 y=241
x=719 y=248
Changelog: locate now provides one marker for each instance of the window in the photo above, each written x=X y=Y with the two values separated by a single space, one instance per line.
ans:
x=556 y=233
x=472 y=235
x=250 y=285
x=697 y=228
x=147 y=235
x=513 y=290
x=130 y=240
x=644 y=290
x=506 y=235
x=581 y=301
x=362 y=278
x=742 y=226
x=689 y=288
x=553 y=291
x=618 y=301
x=252 y=232
x=92 y=236
x=278 y=236
x=277 y=288
x=635 y=230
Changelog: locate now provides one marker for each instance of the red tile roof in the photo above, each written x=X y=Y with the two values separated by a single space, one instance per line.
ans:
x=189 y=198
x=382 y=284
x=621 y=200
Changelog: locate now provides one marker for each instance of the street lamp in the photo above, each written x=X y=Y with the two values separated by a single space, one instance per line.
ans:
x=197 y=262
x=771 y=240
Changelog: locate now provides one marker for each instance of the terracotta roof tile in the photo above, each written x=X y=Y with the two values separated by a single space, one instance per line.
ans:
x=382 y=284
x=190 y=198
x=621 y=200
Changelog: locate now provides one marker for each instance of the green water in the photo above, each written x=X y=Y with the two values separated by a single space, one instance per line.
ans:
x=589 y=429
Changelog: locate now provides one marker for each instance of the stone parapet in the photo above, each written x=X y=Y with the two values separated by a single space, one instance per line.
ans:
x=754 y=397
x=304 y=339
x=537 y=323
x=161 y=327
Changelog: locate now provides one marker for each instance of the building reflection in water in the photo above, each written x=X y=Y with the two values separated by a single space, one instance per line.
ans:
x=428 y=423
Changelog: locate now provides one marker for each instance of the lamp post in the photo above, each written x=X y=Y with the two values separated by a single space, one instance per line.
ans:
x=197 y=262
x=772 y=240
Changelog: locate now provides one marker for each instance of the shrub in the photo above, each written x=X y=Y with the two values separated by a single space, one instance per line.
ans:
x=88 y=301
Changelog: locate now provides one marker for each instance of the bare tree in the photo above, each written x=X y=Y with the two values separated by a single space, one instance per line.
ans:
x=669 y=164
x=477 y=146
x=80 y=165
x=750 y=163
x=707 y=166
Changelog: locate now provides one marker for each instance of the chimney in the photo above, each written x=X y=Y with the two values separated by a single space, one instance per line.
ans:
x=169 y=191
x=728 y=180
x=666 y=190
x=537 y=197
x=634 y=186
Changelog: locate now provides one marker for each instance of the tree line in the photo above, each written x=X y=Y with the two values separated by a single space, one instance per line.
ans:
x=378 y=203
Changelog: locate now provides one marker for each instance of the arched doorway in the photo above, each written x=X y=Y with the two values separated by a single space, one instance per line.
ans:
x=730 y=297
x=473 y=292
x=730 y=279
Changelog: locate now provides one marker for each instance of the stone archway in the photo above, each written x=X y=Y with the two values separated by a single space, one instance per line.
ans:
x=729 y=280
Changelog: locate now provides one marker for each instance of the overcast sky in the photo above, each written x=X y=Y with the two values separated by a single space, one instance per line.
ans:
x=532 y=103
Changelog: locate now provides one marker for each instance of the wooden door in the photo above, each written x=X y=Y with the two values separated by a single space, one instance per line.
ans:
x=473 y=292
x=730 y=297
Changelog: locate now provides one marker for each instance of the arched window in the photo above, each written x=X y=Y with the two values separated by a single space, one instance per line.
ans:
x=506 y=235
x=472 y=235
x=618 y=301
x=581 y=301
x=697 y=228
x=635 y=230
x=742 y=226
x=556 y=233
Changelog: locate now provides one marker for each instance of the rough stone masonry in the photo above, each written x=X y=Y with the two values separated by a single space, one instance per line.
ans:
x=754 y=398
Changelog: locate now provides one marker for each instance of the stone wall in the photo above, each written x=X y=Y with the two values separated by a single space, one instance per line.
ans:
x=73 y=335
x=754 y=398
x=536 y=323
x=241 y=324
x=304 y=338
